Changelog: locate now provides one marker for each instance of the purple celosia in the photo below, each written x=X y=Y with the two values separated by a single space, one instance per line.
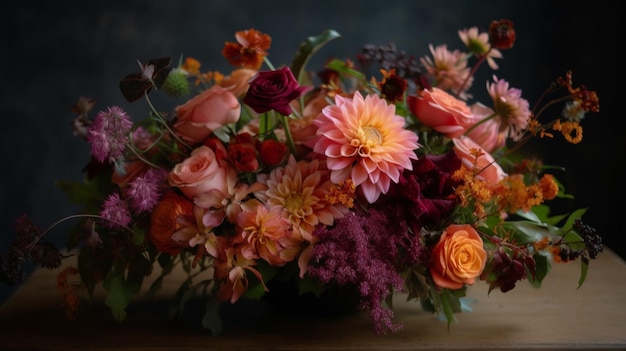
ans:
x=144 y=191
x=108 y=134
x=364 y=249
x=115 y=212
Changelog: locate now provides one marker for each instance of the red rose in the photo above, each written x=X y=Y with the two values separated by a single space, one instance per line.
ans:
x=273 y=90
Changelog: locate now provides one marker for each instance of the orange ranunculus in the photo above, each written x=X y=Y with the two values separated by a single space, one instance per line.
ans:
x=458 y=258
x=201 y=172
x=485 y=165
x=442 y=112
x=165 y=221
x=207 y=111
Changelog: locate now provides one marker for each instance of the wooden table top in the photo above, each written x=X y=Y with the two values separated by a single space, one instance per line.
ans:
x=555 y=317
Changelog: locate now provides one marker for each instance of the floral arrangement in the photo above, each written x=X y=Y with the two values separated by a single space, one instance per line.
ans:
x=376 y=175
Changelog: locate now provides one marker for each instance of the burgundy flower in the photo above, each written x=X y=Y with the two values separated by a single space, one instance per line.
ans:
x=274 y=90
x=425 y=195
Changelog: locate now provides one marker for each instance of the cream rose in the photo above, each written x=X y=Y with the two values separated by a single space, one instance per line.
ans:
x=207 y=111
x=199 y=173
x=458 y=258
x=441 y=111
x=485 y=164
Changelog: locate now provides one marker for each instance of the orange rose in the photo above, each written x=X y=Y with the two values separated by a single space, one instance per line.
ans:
x=207 y=111
x=199 y=173
x=165 y=220
x=442 y=112
x=488 y=169
x=458 y=258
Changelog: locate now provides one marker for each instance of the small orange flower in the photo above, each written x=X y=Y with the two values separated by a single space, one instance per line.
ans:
x=249 y=50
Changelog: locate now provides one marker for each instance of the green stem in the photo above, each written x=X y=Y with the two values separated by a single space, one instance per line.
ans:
x=285 y=121
x=480 y=122
x=268 y=63
x=164 y=123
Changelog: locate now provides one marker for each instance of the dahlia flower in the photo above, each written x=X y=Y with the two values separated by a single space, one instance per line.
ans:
x=364 y=140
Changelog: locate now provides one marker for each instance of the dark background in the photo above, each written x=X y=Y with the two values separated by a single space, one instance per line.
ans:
x=52 y=52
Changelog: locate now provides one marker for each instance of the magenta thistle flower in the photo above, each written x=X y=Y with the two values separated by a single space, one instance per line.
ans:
x=144 y=191
x=108 y=134
x=115 y=212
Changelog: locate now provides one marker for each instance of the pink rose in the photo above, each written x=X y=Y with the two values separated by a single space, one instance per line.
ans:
x=274 y=90
x=458 y=258
x=485 y=164
x=441 y=111
x=207 y=111
x=487 y=134
x=199 y=173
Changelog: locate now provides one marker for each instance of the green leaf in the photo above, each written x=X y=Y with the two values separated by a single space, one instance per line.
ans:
x=526 y=232
x=212 y=319
x=584 y=267
x=341 y=67
x=542 y=267
x=572 y=217
x=310 y=285
x=306 y=51
x=119 y=292
x=90 y=193
x=450 y=304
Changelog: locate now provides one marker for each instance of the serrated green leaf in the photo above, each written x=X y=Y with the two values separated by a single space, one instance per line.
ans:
x=306 y=50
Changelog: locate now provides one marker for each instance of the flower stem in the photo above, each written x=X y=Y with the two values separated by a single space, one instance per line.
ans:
x=285 y=121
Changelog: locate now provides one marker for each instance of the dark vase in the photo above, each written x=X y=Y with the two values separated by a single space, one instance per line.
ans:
x=284 y=298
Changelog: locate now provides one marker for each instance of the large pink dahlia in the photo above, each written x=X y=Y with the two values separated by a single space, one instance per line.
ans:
x=363 y=139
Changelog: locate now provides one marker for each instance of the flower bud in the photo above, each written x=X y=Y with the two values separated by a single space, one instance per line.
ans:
x=176 y=83
x=502 y=34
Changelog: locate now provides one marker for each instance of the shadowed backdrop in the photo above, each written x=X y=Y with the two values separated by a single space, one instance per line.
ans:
x=52 y=52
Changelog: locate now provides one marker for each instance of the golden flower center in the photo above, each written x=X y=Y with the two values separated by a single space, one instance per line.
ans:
x=294 y=203
x=368 y=138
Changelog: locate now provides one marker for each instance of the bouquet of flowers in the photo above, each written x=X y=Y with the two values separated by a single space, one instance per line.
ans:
x=376 y=175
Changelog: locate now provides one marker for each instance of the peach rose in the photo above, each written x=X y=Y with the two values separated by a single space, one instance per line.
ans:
x=237 y=81
x=487 y=134
x=458 y=258
x=199 y=173
x=488 y=169
x=441 y=111
x=207 y=111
